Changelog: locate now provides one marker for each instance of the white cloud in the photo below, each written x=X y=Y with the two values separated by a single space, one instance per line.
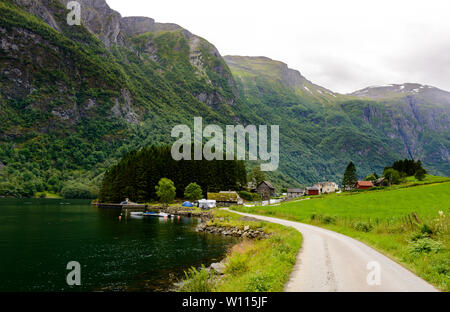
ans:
x=343 y=45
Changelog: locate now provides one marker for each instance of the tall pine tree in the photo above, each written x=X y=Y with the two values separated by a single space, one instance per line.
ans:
x=350 y=177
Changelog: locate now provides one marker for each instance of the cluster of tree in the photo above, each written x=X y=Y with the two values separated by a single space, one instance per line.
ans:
x=76 y=190
x=139 y=172
x=407 y=168
x=393 y=175
x=166 y=191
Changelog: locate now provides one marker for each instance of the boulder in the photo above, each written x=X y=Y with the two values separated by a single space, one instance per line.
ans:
x=218 y=267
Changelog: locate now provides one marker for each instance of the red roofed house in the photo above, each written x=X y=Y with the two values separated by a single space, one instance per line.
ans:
x=364 y=185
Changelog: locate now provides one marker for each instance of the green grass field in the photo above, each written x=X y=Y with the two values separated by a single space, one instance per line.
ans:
x=252 y=265
x=408 y=224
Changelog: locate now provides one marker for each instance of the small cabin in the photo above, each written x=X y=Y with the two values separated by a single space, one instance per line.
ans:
x=364 y=185
x=266 y=190
x=295 y=193
x=380 y=182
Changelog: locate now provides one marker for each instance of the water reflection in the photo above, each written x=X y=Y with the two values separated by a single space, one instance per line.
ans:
x=39 y=237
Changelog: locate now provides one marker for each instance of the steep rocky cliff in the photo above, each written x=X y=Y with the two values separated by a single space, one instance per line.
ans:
x=416 y=115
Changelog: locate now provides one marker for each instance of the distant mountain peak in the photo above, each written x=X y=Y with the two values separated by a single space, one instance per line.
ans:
x=392 y=90
x=261 y=66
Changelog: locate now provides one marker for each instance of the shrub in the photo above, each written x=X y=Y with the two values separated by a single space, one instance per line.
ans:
x=237 y=265
x=329 y=220
x=198 y=281
x=323 y=219
x=363 y=227
x=260 y=283
x=418 y=235
x=425 y=229
x=424 y=245
x=249 y=196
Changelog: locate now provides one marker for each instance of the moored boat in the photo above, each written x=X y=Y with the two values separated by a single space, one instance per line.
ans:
x=157 y=215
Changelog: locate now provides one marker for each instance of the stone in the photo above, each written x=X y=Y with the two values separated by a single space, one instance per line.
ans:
x=218 y=267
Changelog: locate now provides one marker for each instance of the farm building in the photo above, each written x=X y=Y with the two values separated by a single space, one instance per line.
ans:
x=364 y=185
x=295 y=192
x=381 y=182
x=266 y=190
x=327 y=187
x=224 y=199
x=313 y=190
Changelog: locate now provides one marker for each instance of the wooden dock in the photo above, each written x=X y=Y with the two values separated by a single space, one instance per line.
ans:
x=129 y=207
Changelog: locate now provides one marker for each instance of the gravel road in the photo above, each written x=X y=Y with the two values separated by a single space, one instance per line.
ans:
x=332 y=262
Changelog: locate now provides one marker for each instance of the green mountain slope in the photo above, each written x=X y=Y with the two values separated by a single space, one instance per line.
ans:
x=323 y=130
x=318 y=136
x=70 y=104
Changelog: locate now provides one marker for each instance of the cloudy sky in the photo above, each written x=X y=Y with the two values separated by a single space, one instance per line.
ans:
x=342 y=45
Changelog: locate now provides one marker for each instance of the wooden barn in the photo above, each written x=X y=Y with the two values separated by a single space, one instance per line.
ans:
x=266 y=190
x=364 y=185
x=313 y=190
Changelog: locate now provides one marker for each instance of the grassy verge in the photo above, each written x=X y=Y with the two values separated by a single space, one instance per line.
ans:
x=47 y=195
x=252 y=265
x=410 y=225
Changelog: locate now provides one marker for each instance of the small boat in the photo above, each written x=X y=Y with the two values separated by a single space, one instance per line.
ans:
x=155 y=214
x=136 y=213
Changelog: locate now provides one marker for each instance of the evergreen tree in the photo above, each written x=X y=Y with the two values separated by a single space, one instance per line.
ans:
x=138 y=172
x=350 y=177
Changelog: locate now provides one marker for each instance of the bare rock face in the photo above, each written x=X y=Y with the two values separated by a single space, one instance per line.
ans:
x=123 y=108
x=110 y=27
x=101 y=20
x=137 y=25
x=37 y=7
x=413 y=110
x=113 y=29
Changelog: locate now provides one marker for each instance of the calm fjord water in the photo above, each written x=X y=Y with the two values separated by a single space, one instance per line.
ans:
x=39 y=237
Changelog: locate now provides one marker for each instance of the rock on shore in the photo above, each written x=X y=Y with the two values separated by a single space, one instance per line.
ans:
x=245 y=232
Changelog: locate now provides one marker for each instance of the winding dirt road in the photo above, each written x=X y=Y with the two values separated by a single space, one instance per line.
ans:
x=332 y=262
